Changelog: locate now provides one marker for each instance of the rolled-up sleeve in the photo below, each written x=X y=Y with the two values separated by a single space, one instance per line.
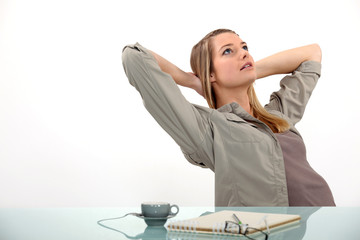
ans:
x=295 y=91
x=164 y=101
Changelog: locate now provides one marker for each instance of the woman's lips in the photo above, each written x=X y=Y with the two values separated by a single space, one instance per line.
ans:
x=246 y=66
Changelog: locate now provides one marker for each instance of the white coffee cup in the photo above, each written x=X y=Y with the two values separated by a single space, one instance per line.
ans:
x=158 y=209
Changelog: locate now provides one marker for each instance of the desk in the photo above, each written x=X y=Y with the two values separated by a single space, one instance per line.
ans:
x=81 y=223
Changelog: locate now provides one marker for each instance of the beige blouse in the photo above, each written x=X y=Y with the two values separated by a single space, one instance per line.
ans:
x=243 y=152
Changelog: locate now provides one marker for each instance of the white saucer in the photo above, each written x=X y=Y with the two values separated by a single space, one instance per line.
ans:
x=155 y=221
x=155 y=218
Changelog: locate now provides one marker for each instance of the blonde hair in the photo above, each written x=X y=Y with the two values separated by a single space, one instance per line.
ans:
x=202 y=66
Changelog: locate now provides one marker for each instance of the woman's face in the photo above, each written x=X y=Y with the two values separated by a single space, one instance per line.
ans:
x=233 y=66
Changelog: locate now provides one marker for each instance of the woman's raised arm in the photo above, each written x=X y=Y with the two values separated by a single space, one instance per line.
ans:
x=287 y=61
x=155 y=79
x=295 y=89
x=185 y=79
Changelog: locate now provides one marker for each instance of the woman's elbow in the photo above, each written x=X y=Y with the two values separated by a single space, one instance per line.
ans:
x=132 y=63
x=130 y=56
x=316 y=53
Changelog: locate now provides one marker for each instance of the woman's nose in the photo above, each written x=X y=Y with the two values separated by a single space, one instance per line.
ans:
x=243 y=54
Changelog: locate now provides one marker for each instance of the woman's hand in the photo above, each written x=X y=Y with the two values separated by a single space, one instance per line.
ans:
x=195 y=83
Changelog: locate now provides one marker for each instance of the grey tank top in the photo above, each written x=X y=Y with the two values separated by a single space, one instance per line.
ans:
x=305 y=186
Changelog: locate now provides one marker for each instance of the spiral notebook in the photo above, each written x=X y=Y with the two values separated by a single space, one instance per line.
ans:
x=214 y=223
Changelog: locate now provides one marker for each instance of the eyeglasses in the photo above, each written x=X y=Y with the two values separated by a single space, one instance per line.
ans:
x=243 y=229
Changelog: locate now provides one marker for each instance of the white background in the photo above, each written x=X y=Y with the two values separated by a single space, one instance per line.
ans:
x=74 y=132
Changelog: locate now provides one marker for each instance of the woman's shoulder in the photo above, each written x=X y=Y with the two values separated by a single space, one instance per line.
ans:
x=204 y=111
x=210 y=115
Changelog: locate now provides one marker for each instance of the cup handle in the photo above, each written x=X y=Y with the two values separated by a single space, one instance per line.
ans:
x=177 y=209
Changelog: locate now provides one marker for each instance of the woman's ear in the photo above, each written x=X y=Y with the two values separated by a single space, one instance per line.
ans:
x=212 y=77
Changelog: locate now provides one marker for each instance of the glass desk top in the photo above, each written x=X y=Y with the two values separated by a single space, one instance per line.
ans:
x=81 y=223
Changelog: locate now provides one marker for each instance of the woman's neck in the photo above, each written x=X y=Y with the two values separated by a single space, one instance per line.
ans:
x=228 y=96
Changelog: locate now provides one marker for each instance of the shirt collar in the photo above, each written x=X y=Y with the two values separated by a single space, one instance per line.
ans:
x=233 y=107
x=236 y=109
x=227 y=108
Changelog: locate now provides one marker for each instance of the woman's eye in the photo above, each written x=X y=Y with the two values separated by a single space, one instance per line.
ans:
x=227 y=51
x=245 y=48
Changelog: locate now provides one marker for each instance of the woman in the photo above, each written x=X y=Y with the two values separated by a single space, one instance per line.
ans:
x=257 y=155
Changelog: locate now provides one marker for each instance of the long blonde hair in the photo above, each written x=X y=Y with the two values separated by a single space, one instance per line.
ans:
x=202 y=66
